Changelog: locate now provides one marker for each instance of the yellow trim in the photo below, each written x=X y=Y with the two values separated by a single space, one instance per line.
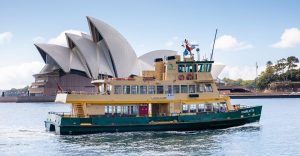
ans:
x=119 y=102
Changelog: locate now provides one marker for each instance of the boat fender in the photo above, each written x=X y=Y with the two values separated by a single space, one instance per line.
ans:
x=181 y=77
x=189 y=77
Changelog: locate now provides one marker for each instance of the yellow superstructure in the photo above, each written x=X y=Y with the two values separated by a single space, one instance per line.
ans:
x=175 y=87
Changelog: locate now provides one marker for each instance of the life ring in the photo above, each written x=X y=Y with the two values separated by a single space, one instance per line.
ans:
x=189 y=77
x=181 y=77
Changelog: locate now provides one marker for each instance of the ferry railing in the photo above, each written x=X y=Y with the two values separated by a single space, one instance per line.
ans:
x=85 y=93
x=242 y=106
x=62 y=114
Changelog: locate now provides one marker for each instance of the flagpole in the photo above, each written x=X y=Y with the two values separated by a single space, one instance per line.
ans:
x=212 y=51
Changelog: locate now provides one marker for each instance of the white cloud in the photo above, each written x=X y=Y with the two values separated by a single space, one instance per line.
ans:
x=38 y=39
x=230 y=43
x=61 y=38
x=243 y=72
x=289 y=39
x=18 y=76
x=5 y=37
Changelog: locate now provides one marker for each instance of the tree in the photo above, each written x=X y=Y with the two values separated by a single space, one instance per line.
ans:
x=291 y=62
x=283 y=70
x=269 y=63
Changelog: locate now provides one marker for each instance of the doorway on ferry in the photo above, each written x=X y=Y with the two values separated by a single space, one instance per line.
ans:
x=143 y=110
x=160 y=109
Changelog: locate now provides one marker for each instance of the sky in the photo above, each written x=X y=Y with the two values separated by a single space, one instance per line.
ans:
x=248 y=31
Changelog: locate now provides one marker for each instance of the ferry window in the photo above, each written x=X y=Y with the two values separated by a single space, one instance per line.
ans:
x=200 y=88
x=222 y=107
x=202 y=67
x=160 y=89
x=135 y=110
x=184 y=88
x=185 y=109
x=208 y=107
x=208 y=67
x=128 y=110
x=192 y=108
x=143 y=89
x=181 y=68
x=189 y=68
x=201 y=108
x=126 y=89
x=117 y=110
x=191 y=88
x=134 y=89
x=176 y=89
x=195 y=68
x=199 y=67
x=151 y=89
x=125 y=110
x=108 y=109
x=118 y=89
x=168 y=90
x=208 y=88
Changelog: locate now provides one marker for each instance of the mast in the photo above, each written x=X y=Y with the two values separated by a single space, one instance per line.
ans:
x=212 y=51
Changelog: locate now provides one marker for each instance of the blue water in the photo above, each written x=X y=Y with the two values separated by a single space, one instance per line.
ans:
x=22 y=133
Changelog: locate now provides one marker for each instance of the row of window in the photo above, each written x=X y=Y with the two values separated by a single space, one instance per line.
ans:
x=129 y=110
x=161 y=89
x=193 y=108
x=196 y=68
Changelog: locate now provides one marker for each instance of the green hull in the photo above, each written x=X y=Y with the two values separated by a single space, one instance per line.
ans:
x=68 y=126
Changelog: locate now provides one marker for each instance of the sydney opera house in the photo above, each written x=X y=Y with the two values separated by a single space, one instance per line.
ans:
x=105 y=52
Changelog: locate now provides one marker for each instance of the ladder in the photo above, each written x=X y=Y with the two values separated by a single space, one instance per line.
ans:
x=78 y=110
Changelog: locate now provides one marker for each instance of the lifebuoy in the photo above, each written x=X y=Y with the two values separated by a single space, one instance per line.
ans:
x=181 y=77
x=189 y=77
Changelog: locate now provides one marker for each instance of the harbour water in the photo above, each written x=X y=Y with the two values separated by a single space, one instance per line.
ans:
x=278 y=133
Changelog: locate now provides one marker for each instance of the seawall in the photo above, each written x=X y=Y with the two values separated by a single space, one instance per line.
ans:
x=20 y=99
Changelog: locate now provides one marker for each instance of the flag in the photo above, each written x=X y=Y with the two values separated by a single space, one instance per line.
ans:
x=188 y=48
x=185 y=53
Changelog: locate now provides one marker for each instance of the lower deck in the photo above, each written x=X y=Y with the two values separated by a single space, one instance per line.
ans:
x=64 y=124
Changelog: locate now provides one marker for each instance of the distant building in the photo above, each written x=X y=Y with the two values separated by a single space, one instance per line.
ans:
x=103 y=53
x=233 y=89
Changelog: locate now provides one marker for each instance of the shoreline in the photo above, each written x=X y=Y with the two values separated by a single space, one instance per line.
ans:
x=24 y=99
x=262 y=96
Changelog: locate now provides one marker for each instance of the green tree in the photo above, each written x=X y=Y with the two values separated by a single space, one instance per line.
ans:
x=283 y=70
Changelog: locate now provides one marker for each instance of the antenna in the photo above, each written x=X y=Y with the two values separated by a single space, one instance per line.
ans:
x=213 y=48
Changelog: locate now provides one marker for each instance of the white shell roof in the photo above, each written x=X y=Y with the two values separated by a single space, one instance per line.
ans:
x=150 y=56
x=63 y=56
x=88 y=49
x=48 y=68
x=59 y=53
x=216 y=70
x=108 y=53
x=123 y=55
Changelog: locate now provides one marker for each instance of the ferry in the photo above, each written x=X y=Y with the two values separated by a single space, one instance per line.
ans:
x=180 y=94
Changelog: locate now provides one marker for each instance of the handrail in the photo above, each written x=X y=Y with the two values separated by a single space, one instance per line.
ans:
x=61 y=113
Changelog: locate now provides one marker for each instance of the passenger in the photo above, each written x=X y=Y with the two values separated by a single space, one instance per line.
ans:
x=222 y=110
x=234 y=107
